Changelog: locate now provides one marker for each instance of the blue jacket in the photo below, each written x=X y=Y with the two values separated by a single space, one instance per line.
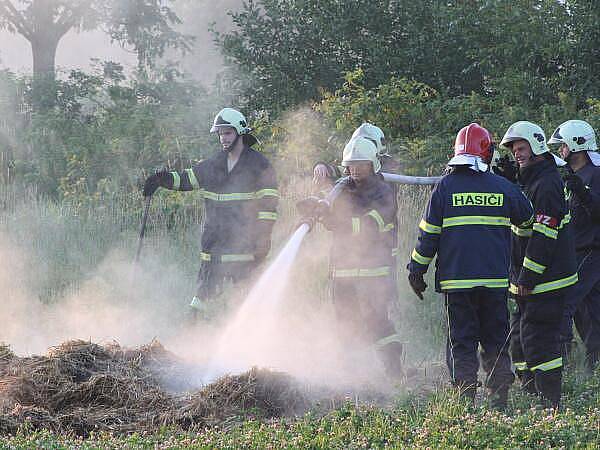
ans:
x=468 y=225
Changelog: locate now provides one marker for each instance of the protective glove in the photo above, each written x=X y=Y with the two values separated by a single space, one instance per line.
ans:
x=507 y=168
x=263 y=246
x=308 y=206
x=418 y=285
x=310 y=221
x=576 y=186
x=153 y=182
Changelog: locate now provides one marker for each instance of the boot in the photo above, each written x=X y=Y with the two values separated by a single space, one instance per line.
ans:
x=392 y=356
x=527 y=381
x=549 y=386
x=198 y=309
x=498 y=398
x=591 y=360
x=467 y=390
x=567 y=353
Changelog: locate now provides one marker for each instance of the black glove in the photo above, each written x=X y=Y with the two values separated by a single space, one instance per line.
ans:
x=153 y=182
x=418 y=285
x=576 y=186
x=151 y=185
x=507 y=168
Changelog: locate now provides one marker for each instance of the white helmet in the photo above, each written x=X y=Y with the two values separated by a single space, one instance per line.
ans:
x=577 y=134
x=229 y=117
x=372 y=133
x=361 y=149
x=533 y=134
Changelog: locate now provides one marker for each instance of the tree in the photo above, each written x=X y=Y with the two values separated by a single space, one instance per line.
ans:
x=286 y=52
x=146 y=25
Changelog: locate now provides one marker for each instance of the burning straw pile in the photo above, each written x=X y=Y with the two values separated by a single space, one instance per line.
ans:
x=81 y=387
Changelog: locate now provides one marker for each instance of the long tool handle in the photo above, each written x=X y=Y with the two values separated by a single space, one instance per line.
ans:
x=143 y=229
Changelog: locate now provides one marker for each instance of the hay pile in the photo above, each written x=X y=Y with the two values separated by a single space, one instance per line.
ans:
x=81 y=387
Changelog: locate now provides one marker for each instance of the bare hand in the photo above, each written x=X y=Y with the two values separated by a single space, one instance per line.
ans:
x=523 y=291
x=320 y=174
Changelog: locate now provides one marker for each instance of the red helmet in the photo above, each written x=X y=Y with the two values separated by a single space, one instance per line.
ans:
x=474 y=140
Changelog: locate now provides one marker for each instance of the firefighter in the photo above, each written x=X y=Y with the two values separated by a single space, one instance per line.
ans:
x=239 y=187
x=467 y=224
x=578 y=147
x=325 y=174
x=542 y=265
x=361 y=218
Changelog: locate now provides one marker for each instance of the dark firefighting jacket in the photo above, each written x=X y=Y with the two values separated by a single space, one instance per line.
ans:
x=362 y=221
x=543 y=254
x=586 y=214
x=240 y=206
x=388 y=165
x=468 y=224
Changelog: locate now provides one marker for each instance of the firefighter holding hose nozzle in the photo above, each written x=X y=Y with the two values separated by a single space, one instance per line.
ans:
x=468 y=225
x=361 y=214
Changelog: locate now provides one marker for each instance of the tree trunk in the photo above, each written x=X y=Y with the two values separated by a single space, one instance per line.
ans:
x=43 y=47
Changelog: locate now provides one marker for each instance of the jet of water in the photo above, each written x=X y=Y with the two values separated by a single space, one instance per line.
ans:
x=250 y=327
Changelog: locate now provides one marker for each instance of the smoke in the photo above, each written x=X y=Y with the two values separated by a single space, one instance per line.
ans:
x=293 y=330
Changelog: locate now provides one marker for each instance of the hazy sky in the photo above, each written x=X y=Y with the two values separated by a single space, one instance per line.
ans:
x=76 y=49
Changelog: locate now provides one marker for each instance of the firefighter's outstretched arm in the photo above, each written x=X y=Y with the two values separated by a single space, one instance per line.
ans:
x=185 y=180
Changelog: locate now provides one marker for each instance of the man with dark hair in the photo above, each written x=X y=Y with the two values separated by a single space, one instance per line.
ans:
x=239 y=187
x=543 y=265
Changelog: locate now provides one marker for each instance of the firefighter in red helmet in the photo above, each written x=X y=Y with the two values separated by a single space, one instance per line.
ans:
x=468 y=225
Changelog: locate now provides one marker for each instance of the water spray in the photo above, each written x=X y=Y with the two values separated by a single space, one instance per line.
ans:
x=259 y=307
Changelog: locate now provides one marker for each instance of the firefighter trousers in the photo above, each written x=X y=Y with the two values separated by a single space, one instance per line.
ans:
x=535 y=344
x=583 y=306
x=213 y=276
x=478 y=317
x=362 y=310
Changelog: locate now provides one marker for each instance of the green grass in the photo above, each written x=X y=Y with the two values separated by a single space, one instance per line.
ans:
x=442 y=421
x=64 y=245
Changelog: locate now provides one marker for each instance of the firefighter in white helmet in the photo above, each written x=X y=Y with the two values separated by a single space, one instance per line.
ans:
x=325 y=174
x=361 y=218
x=542 y=264
x=577 y=141
x=239 y=187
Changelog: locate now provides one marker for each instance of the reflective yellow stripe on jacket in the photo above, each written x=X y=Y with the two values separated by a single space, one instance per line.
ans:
x=475 y=220
x=232 y=257
x=429 y=228
x=267 y=215
x=550 y=285
x=534 y=266
x=420 y=258
x=467 y=284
